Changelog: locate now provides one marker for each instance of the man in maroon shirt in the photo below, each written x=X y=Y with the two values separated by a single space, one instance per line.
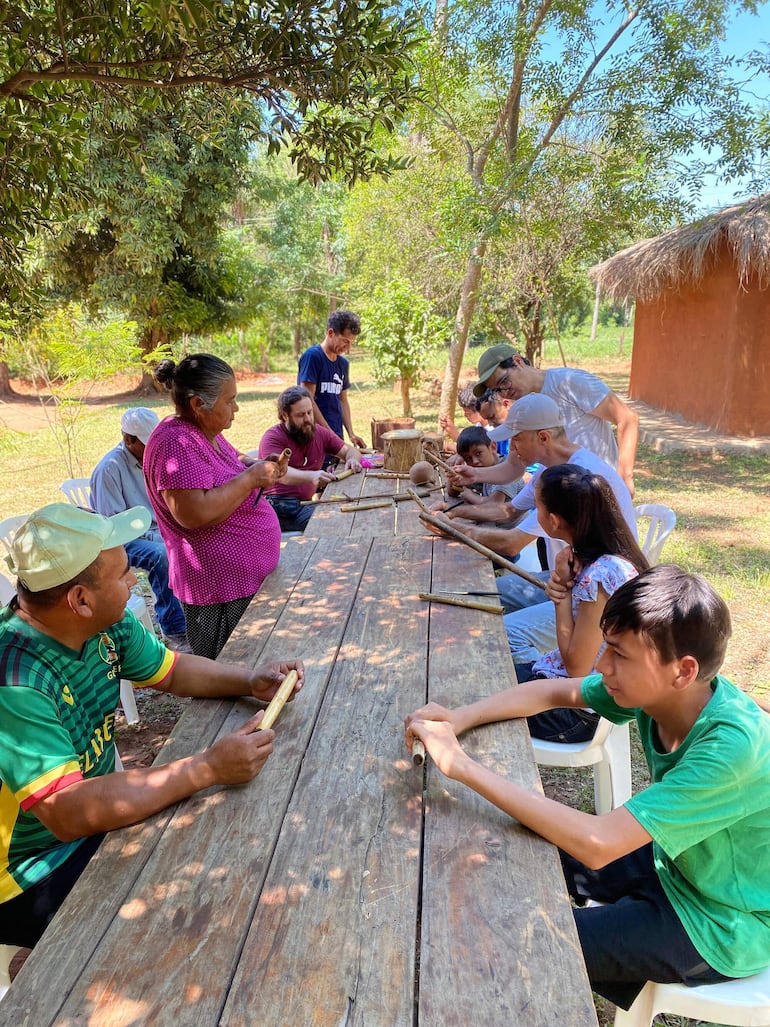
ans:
x=310 y=445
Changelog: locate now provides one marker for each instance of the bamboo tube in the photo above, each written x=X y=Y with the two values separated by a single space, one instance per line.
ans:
x=279 y=700
x=418 y=752
x=344 y=474
x=440 y=463
x=370 y=504
x=386 y=474
x=467 y=603
x=416 y=497
x=449 y=529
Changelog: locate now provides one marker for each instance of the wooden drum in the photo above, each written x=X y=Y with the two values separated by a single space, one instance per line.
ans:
x=402 y=449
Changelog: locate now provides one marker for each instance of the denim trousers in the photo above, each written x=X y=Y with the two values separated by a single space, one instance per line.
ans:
x=152 y=557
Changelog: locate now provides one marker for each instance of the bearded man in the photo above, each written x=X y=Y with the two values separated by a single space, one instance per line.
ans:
x=310 y=444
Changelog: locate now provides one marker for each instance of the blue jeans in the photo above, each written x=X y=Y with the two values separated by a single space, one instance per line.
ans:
x=152 y=557
x=516 y=593
x=531 y=632
x=291 y=516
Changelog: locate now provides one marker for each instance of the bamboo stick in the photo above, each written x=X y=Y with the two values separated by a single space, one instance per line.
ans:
x=418 y=752
x=469 y=604
x=371 y=504
x=344 y=474
x=449 y=529
x=279 y=700
x=386 y=474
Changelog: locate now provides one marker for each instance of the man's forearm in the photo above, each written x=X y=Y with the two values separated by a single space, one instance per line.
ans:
x=505 y=541
x=199 y=678
x=628 y=440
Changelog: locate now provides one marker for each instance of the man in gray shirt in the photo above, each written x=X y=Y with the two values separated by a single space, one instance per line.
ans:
x=117 y=484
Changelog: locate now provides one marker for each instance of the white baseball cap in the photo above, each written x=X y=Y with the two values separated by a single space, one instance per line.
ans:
x=139 y=421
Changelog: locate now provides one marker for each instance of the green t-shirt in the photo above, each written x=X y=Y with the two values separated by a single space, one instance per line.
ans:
x=57 y=714
x=708 y=812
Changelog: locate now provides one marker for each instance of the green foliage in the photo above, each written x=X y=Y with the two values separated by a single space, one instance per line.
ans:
x=400 y=333
x=321 y=79
x=65 y=354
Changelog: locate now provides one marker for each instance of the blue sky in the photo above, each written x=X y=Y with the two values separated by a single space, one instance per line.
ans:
x=747 y=32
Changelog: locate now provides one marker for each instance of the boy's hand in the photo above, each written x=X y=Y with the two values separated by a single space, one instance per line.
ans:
x=440 y=742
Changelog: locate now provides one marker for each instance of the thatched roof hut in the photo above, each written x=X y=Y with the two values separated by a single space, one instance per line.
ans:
x=702 y=324
x=686 y=254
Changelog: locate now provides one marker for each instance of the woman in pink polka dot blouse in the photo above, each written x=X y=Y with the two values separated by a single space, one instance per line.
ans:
x=222 y=536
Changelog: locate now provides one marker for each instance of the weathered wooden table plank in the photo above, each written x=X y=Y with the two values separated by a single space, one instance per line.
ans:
x=499 y=943
x=332 y=940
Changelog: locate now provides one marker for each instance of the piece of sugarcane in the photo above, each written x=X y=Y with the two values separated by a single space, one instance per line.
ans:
x=279 y=700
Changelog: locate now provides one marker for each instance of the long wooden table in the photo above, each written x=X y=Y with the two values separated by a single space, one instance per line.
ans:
x=343 y=886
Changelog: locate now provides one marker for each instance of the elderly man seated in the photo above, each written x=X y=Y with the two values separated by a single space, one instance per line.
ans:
x=117 y=484
x=310 y=444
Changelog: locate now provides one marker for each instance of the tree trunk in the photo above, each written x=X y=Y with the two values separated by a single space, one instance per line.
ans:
x=406 y=399
x=595 y=319
x=152 y=337
x=5 y=380
x=297 y=343
x=463 y=320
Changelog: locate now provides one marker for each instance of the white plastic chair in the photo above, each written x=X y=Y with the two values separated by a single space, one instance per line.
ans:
x=744 y=1002
x=608 y=752
x=8 y=529
x=7 y=952
x=662 y=521
x=7 y=591
x=78 y=492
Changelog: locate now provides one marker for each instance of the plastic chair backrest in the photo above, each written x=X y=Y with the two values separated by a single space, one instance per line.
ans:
x=662 y=521
x=9 y=527
x=78 y=492
x=7 y=591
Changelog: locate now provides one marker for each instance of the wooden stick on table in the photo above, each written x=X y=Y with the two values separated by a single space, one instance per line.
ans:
x=449 y=529
x=469 y=604
x=279 y=700
x=386 y=474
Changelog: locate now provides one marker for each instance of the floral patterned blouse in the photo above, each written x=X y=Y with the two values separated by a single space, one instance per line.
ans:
x=608 y=571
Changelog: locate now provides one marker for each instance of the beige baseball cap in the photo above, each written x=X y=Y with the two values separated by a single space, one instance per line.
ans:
x=60 y=540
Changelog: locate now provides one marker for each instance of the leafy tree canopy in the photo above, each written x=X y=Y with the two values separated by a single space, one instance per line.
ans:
x=321 y=75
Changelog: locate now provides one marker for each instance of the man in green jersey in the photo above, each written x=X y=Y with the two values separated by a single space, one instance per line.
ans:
x=66 y=641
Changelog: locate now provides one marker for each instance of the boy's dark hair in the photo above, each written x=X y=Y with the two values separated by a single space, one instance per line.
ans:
x=679 y=613
x=344 y=320
x=588 y=506
x=474 y=435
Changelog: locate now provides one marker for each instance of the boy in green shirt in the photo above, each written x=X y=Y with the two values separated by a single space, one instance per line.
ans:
x=679 y=868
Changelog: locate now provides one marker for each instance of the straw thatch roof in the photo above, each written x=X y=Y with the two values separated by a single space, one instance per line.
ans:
x=685 y=254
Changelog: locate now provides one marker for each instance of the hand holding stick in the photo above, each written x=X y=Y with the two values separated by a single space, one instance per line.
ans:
x=418 y=753
x=279 y=700
x=283 y=462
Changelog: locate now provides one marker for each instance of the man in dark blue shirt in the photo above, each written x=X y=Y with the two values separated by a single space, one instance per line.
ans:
x=323 y=371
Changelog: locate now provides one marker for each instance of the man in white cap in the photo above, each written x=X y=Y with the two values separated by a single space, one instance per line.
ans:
x=588 y=405
x=538 y=435
x=66 y=641
x=117 y=484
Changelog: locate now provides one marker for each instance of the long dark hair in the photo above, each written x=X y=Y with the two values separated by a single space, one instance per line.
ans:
x=587 y=504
